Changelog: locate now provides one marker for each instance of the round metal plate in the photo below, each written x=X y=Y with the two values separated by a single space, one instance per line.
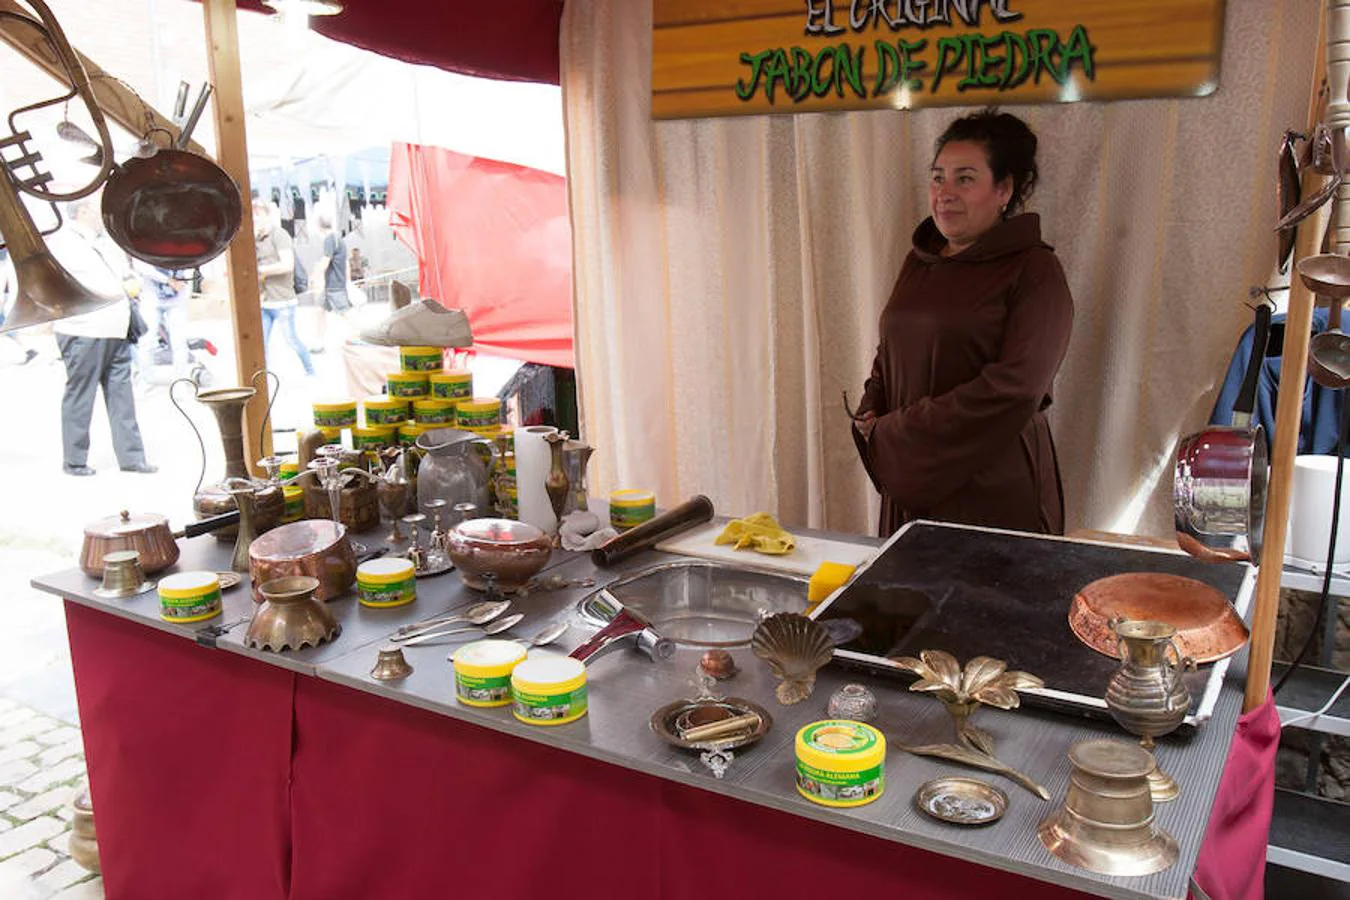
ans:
x=228 y=580
x=673 y=718
x=961 y=801
x=122 y=595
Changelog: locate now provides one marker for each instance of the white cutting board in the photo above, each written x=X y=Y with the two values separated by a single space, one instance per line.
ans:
x=803 y=560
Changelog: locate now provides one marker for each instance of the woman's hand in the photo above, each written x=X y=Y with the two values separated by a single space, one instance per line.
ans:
x=864 y=422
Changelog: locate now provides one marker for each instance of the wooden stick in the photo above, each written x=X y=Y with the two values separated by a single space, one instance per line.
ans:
x=1289 y=408
x=222 y=34
x=118 y=102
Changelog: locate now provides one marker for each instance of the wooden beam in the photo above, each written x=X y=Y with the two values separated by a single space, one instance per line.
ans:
x=117 y=101
x=1289 y=406
x=222 y=36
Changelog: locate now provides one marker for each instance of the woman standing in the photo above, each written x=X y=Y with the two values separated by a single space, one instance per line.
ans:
x=952 y=421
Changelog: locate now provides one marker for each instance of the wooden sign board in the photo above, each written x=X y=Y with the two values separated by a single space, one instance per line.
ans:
x=751 y=57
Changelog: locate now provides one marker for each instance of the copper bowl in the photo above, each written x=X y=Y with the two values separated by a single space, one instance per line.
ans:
x=291 y=616
x=1208 y=628
x=512 y=551
x=315 y=547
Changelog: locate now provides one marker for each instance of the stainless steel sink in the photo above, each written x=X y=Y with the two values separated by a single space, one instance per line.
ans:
x=699 y=603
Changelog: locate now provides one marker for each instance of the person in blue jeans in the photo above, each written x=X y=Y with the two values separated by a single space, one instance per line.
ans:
x=276 y=275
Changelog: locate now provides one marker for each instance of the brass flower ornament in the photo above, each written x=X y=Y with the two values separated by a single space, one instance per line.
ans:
x=984 y=681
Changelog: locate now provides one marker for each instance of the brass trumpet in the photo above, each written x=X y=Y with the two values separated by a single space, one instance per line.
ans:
x=45 y=290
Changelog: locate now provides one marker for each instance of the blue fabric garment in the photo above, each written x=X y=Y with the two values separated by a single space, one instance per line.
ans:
x=1321 y=406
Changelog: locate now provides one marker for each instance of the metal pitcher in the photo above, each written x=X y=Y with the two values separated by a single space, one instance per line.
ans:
x=455 y=469
x=1147 y=696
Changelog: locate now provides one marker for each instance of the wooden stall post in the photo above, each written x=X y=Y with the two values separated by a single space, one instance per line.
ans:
x=222 y=36
x=1334 y=48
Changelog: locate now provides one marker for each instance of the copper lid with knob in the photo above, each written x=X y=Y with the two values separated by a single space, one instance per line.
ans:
x=146 y=533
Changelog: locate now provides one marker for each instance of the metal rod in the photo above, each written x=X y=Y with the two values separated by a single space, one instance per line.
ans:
x=191 y=124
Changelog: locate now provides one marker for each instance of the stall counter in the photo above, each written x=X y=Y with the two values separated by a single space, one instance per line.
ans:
x=332 y=784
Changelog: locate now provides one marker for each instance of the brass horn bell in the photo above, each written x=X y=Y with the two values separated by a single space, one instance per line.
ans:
x=45 y=290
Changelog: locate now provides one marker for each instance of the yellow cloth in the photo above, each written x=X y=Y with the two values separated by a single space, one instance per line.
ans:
x=759 y=532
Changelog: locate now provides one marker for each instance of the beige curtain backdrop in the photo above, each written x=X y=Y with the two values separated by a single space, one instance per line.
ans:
x=729 y=273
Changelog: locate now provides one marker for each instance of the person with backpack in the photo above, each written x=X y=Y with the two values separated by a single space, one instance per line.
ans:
x=278 y=272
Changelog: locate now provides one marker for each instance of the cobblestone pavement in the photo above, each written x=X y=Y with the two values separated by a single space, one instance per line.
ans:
x=41 y=767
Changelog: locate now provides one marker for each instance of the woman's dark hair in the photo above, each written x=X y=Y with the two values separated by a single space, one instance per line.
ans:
x=1008 y=142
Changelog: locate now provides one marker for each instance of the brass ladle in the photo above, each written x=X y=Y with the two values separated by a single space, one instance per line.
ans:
x=478 y=614
x=1328 y=275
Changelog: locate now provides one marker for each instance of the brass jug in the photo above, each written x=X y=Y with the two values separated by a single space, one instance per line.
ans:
x=1147 y=696
x=227 y=405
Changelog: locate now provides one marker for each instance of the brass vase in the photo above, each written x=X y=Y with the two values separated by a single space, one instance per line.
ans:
x=556 y=484
x=1147 y=696
x=227 y=405
x=576 y=456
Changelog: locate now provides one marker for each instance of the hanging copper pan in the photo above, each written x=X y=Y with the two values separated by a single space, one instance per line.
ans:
x=175 y=209
x=1219 y=482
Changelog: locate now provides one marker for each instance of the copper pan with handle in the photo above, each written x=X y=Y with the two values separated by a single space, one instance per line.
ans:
x=1220 y=477
x=173 y=208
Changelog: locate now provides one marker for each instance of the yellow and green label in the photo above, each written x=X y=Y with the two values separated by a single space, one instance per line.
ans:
x=393 y=414
x=398 y=593
x=189 y=609
x=844 y=788
x=477 y=690
x=343 y=417
x=420 y=359
x=549 y=709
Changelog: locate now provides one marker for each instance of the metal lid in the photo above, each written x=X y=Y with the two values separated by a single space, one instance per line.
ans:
x=124 y=523
x=1111 y=759
x=297 y=540
x=498 y=532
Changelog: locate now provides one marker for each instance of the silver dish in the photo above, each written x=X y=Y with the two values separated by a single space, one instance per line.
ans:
x=672 y=720
x=961 y=801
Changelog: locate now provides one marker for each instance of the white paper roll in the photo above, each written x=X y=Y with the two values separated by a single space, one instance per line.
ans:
x=533 y=461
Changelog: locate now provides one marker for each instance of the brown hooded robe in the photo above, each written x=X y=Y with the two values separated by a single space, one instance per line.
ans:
x=970 y=345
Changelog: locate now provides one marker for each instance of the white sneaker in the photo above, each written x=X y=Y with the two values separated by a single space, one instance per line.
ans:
x=424 y=323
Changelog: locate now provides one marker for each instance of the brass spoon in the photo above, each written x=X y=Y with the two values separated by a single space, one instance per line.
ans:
x=478 y=614
x=492 y=628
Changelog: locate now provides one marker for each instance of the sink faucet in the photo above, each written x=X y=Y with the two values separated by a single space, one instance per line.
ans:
x=627 y=624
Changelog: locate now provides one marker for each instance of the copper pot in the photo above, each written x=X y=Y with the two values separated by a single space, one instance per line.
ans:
x=512 y=551
x=146 y=533
x=316 y=547
x=1220 y=475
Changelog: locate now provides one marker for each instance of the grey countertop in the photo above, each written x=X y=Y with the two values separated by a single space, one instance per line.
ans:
x=626 y=688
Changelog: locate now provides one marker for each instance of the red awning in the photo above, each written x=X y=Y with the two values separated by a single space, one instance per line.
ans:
x=493 y=239
x=515 y=40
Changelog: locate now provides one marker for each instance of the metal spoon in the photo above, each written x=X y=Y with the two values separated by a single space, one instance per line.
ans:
x=437 y=620
x=478 y=614
x=546 y=635
x=496 y=627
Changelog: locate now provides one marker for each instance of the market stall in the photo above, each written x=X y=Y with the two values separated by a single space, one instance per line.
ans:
x=301 y=771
